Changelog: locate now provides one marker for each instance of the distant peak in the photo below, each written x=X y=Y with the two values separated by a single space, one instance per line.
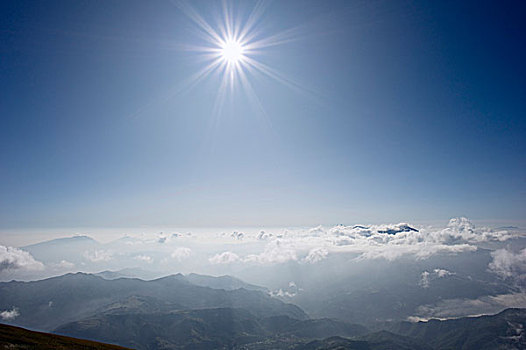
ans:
x=394 y=229
x=174 y=277
x=65 y=240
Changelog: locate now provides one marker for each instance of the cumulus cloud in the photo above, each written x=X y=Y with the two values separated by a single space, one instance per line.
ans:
x=264 y=236
x=283 y=293
x=181 y=253
x=509 y=265
x=389 y=242
x=98 y=255
x=14 y=259
x=459 y=231
x=463 y=230
x=224 y=258
x=462 y=225
x=290 y=292
x=316 y=255
x=275 y=252
x=396 y=240
x=426 y=277
x=317 y=231
x=145 y=258
x=8 y=315
x=237 y=235
x=442 y=273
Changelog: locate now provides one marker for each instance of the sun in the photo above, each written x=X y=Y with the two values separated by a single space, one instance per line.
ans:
x=232 y=51
x=231 y=48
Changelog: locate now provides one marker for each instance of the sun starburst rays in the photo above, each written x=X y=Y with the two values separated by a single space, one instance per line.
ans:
x=231 y=48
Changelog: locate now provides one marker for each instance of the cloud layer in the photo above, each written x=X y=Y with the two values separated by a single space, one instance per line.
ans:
x=388 y=242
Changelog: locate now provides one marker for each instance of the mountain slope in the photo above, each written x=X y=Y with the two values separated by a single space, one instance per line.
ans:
x=127 y=273
x=20 y=338
x=49 y=303
x=221 y=282
x=384 y=340
x=374 y=341
x=311 y=329
x=334 y=343
x=204 y=328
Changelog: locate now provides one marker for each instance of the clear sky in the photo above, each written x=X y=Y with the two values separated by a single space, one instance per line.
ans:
x=391 y=111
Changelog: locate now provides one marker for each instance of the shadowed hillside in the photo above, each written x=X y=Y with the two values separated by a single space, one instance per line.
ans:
x=19 y=338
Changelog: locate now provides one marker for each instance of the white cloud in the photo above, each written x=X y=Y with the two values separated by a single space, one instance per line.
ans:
x=282 y=293
x=98 y=255
x=14 y=259
x=224 y=258
x=181 y=253
x=442 y=273
x=390 y=242
x=264 y=236
x=401 y=239
x=426 y=277
x=459 y=236
x=316 y=255
x=462 y=225
x=291 y=291
x=317 y=231
x=462 y=230
x=145 y=258
x=8 y=315
x=509 y=265
x=275 y=252
x=237 y=235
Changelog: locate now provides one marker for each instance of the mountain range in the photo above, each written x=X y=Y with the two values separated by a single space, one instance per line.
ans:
x=205 y=312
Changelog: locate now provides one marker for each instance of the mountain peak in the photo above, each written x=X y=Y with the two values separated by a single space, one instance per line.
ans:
x=64 y=240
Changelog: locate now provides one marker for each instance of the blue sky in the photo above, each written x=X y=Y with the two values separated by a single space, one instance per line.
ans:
x=407 y=111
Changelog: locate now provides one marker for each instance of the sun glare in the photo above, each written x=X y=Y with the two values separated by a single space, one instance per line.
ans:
x=232 y=51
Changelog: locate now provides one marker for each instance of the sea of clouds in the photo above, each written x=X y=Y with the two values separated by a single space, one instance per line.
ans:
x=247 y=253
x=303 y=245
